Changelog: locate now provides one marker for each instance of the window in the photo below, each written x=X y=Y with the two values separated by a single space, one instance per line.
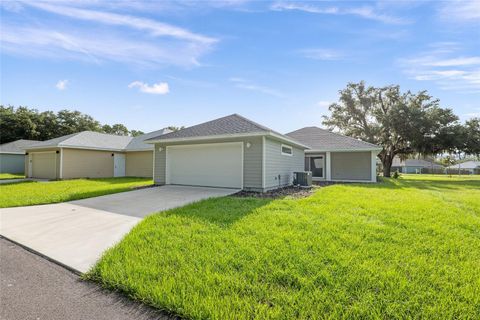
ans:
x=317 y=165
x=287 y=150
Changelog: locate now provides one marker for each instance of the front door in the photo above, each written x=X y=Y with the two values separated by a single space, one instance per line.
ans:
x=118 y=165
x=317 y=166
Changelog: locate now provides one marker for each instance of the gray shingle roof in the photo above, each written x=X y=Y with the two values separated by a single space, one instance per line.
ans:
x=17 y=146
x=101 y=141
x=232 y=124
x=414 y=163
x=323 y=140
x=87 y=140
x=138 y=143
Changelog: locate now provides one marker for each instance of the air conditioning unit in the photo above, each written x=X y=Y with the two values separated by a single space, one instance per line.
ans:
x=302 y=178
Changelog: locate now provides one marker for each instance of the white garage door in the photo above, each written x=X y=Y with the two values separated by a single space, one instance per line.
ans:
x=213 y=165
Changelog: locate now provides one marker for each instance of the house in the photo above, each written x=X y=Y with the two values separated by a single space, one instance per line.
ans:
x=335 y=157
x=12 y=156
x=229 y=152
x=235 y=152
x=89 y=154
x=415 y=165
x=467 y=167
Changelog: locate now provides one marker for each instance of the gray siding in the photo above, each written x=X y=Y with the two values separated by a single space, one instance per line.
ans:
x=12 y=163
x=252 y=164
x=351 y=165
x=279 y=168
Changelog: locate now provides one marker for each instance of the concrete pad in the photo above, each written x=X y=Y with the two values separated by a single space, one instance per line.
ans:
x=140 y=203
x=72 y=235
x=76 y=233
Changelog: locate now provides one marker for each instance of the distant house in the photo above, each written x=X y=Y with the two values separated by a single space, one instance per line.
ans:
x=12 y=156
x=415 y=165
x=89 y=154
x=469 y=167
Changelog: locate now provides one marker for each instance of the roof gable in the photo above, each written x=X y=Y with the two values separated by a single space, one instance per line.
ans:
x=324 y=140
x=229 y=125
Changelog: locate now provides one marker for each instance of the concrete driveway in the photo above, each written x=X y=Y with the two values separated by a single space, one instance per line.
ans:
x=76 y=233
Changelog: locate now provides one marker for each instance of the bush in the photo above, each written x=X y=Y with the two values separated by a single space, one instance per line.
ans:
x=395 y=175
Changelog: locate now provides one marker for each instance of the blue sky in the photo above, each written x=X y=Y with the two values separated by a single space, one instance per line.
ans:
x=158 y=63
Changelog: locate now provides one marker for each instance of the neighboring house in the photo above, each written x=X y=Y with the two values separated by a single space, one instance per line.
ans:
x=334 y=157
x=415 y=165
x=12 y=156
x=229 y=152
x=471 y=167
x=89 y=154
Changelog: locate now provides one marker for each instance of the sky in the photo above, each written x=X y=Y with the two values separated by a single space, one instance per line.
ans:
x=152 y=64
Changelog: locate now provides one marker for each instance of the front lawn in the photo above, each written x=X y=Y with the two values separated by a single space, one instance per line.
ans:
x=30 y=192
x=8 y=176
x=407 y=248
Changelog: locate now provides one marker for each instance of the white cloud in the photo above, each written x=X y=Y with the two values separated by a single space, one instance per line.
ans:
x=156 y=88
x=446 y=67
x=461 y=11
x=62 y=85
x=107 y=37
x=246 y=85
x=322 y=54
x=365 y=12
x=153 y=27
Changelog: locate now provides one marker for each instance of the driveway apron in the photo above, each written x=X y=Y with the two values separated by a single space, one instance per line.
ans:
x=75 y=234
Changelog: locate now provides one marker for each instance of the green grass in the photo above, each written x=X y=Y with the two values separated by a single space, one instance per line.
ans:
x=7 y=176
x=31 y=193
x=400 y=249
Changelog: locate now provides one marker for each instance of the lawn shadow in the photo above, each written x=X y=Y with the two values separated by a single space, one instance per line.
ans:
x=424 y=184
x=222 y=211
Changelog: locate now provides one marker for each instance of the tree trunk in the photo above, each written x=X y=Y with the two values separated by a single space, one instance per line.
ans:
x=387 y=164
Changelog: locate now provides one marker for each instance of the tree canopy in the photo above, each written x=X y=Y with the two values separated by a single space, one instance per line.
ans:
x=401 y=123
x=26 y=123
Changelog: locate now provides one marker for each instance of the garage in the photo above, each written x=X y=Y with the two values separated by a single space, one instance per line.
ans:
x=212 y=165
x=44 y=165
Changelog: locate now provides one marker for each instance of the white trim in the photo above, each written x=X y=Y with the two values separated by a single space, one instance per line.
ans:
x=264 y=174
x=342 y=150
x=167 y=176
x=241 y=143
x=153 y=166
x=288 y=147
x=77 y=147
x=54 y=151
x=328 y=166
x=229 y=136
x=29 y=173
x=61 y=164
x=373 y=176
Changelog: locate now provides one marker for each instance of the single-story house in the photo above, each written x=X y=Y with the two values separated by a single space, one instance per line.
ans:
x=89 y=154
x=415 y=165
x=12 y=156
x=471 y=167
x=235 y=152
x=335 y=157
